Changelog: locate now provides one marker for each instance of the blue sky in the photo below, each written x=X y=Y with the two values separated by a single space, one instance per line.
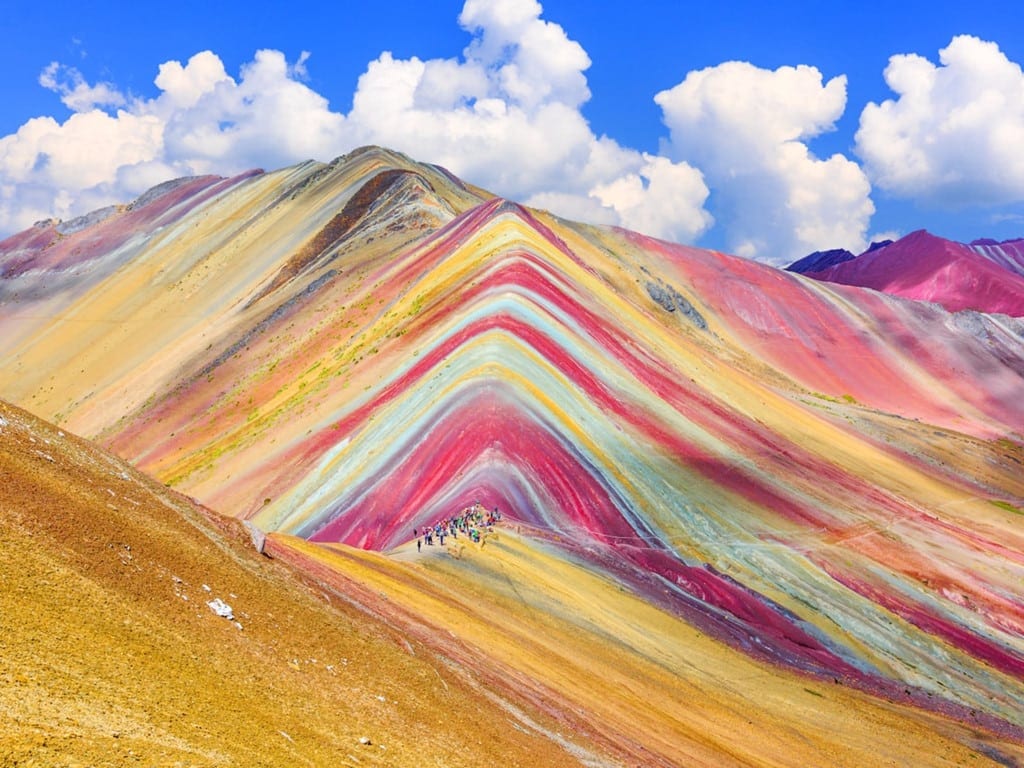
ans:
x=551 y=103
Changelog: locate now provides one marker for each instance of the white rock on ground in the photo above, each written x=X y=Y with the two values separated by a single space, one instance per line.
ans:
x=221 y=608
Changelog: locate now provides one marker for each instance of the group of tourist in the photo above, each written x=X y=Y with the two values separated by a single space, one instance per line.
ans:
x=472 y=522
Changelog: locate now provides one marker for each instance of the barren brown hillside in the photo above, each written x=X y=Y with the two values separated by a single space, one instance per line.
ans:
x=110 y=654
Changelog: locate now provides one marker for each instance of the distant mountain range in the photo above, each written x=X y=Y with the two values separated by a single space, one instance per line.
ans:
x=745 y=513
x=984 y=275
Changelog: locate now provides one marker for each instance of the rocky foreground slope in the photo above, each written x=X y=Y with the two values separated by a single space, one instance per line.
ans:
x=112 y=654
x=817 y=480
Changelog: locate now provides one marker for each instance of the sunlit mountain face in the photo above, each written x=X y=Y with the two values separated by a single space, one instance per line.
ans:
x=822 y=480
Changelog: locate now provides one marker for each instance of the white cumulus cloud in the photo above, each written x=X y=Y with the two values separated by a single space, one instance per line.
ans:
x=746 y=128
x=75 y=92
x=953 y=135
x=504 y=115
x=266 y=119
x=202 y=121
x=659 y=197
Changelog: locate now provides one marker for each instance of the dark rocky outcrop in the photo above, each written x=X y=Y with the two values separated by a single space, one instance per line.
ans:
x=669 y=299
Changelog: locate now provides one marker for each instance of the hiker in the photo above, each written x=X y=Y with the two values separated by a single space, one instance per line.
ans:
x=419 y=545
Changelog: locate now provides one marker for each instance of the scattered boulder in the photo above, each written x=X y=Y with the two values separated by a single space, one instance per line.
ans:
x=221 y=608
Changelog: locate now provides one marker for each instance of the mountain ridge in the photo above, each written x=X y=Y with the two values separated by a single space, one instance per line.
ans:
x=355 y=350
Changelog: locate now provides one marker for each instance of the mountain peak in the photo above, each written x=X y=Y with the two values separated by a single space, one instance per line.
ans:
x=820 y=260
x=984 y=276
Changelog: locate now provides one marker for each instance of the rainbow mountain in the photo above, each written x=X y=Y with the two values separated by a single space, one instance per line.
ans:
x=823 y=482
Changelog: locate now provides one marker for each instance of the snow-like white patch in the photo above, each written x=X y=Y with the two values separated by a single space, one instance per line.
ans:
x=221 y=608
